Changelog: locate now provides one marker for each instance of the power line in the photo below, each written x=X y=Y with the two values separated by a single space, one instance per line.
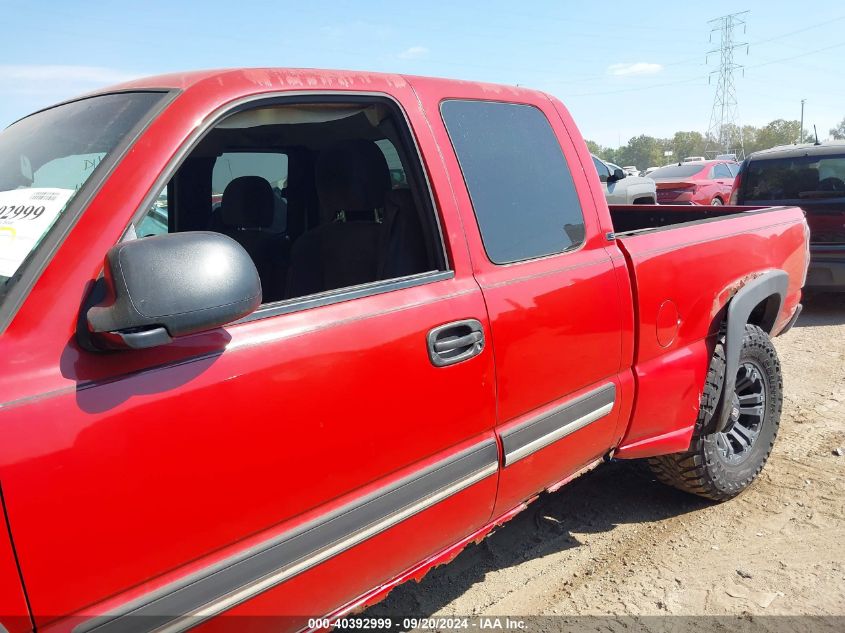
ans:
x=649 y=87
x=724 y=118
x=795 y=32
x=798 y=56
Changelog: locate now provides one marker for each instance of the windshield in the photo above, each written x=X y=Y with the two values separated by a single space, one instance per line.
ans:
x=46 y=158
x=676 y=171
x=797 y=179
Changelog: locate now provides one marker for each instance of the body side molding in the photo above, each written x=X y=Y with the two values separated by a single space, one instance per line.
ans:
x=554 y=425
x=192 y=600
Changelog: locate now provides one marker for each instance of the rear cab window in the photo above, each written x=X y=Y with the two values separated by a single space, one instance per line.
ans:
x=46 y=158
x=794 y=179
x=518 y=179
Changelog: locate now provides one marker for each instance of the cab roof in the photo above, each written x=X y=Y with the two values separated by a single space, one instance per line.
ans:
x=250 y=80
x=801 y=149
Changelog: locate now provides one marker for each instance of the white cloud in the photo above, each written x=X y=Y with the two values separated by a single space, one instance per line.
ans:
x=414 y=52
x=637 y=68
x=90 y=75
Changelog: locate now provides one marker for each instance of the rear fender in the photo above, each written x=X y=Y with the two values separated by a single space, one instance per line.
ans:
x=771 y=284
x=640 y=190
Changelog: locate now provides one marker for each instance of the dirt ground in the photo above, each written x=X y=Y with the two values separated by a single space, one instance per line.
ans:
x=616 y=542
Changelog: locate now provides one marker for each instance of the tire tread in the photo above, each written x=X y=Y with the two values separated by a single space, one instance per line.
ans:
x=691 y=471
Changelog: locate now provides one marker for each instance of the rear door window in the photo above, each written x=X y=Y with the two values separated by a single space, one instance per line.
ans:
x=521 y=188
x=721 y=171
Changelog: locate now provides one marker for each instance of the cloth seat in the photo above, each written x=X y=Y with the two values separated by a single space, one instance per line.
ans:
x=352 y=180
x=246 y=212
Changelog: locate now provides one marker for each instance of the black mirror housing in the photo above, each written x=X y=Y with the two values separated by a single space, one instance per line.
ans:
x=617 y=174
x=172 y=285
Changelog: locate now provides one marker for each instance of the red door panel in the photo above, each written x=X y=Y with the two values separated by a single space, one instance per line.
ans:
x=124 y=480
x=557 y=321
x=129 y=471
x=337 y=582
x=14 y=613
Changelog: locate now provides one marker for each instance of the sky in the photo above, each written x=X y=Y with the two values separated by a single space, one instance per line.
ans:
x=622 y=68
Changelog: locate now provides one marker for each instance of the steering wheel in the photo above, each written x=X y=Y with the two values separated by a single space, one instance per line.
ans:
x=831 y=184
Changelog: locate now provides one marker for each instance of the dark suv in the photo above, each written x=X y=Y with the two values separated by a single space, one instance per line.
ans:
x=812 y=177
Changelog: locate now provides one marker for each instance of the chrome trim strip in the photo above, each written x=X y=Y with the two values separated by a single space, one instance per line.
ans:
x=268 y=582
x=220 y=586
x=545 y=429
x=560 y=433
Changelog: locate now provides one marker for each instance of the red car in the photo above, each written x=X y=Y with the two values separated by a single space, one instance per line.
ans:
x=233 y=414
x=695 y=182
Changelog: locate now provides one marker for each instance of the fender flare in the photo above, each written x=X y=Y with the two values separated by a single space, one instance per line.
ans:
x=770 y=283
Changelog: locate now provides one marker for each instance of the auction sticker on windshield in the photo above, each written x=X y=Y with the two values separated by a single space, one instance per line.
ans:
x=25 y=217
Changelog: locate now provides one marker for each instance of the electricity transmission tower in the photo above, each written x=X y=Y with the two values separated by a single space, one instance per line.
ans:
x=724 y=135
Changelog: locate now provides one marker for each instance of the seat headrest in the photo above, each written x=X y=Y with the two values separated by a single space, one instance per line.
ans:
x=248 y=203
x=351 y=176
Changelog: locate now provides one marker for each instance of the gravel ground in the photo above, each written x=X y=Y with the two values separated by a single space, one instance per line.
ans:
x=617 y=543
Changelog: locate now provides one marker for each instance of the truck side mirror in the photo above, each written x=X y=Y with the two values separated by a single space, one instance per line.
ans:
x=617 y=174
x=172 y=285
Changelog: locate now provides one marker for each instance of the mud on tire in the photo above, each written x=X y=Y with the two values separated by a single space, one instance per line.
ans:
x=719 y=466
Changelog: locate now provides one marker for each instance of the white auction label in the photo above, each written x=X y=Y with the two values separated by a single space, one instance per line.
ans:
x=25 y=217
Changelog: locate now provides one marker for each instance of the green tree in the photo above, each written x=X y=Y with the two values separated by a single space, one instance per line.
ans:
x=642 y=151
x=605 y=153
x=778 y=132
x=838 y=132
x=647 y=151
x=749 y=138
x=609 y=154
x=686 y=144
x=594 y=147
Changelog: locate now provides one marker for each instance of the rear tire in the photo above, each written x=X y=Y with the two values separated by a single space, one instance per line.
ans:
x=719 y=466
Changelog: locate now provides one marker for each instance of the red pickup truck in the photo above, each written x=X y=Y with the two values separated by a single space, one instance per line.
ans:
x=274 y=341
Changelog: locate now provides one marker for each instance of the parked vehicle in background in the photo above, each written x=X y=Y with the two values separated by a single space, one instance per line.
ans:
x=695 y=182
x=694 y=159
x=631 y=170
x=649 y=170
x=812 y=177
x=239 y=417
x=621 y=188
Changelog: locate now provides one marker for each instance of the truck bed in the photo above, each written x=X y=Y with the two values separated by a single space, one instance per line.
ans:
x=630 y=219
x=685 y=263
